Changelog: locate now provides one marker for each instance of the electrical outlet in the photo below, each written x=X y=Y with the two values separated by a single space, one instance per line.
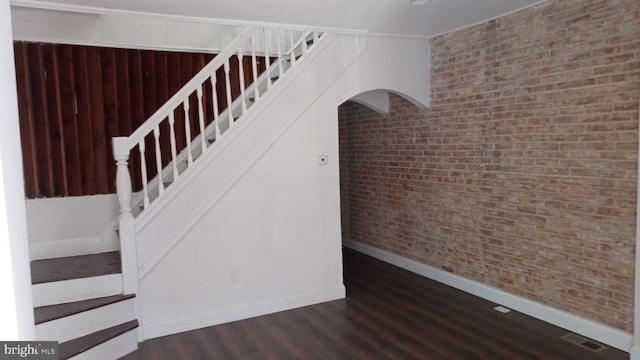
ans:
x=233 y=278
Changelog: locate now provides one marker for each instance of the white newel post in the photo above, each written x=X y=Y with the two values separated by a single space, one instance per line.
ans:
x=128 y=251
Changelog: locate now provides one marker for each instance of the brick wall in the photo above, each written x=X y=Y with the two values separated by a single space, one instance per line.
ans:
x=522 y=174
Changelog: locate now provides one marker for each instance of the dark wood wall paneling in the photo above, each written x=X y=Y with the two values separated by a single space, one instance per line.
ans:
x=73 y=99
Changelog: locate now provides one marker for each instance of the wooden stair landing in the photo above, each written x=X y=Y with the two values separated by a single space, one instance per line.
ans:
x=75 y=267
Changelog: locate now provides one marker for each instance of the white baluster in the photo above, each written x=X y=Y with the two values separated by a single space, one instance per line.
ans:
x=266 y=57
x=174 y=152
x=143 y=171
x=203 y=141
x=292 y=55
x=187 y=130
x=228 y=87
x=127 y=231
x=215 y=104
x=280 y=66
x=254 y=66
x=243 y=100
x=156 y=135
x=305 y=46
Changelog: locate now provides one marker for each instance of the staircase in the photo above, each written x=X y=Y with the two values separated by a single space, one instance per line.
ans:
x=88 y=302
x=207 y=118
x=79 y=303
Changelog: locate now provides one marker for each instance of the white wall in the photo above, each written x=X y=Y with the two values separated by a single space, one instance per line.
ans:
x=398 y=64
x=276 y=230
x=73 y=225
x=264 y=211
x=16 y=308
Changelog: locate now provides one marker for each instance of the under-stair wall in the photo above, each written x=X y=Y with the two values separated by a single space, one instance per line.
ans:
x=257 y=230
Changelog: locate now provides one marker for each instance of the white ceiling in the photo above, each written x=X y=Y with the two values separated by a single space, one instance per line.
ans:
x=376 y=16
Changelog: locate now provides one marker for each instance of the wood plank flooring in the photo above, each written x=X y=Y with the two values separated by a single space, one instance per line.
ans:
x=389 y=313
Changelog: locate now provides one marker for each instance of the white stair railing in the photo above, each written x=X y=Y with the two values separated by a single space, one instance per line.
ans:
x=157 y=136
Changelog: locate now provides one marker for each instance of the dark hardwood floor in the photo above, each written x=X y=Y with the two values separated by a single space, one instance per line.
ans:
x=389 y=313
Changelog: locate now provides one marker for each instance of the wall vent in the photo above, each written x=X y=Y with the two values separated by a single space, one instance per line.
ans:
x=584 y=342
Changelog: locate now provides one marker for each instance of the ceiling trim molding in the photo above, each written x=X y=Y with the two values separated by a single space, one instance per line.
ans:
x=47 y=5
x=114 y=44
x=403 y=36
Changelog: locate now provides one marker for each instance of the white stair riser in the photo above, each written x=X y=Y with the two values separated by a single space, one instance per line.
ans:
x=112 y=349
x=59 y=292
x=87 y=322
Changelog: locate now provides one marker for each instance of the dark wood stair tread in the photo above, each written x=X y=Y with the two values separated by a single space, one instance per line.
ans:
x=52 y=312
x=75 y=267
x=84 y=343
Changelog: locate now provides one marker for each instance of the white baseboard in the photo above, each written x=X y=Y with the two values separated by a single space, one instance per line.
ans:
x=602 y=333
x=241 y=312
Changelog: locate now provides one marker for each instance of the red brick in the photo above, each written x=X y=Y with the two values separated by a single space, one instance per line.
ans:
x=523 y=173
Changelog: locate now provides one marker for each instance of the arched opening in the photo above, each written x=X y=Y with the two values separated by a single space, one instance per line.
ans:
x=365 y=148
x=366 y=151
x=378 y=100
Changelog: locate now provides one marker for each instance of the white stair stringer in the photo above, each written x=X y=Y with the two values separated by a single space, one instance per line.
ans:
x=87 y=322
x=165 y=224
x=263 y=84
x=59 y=292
